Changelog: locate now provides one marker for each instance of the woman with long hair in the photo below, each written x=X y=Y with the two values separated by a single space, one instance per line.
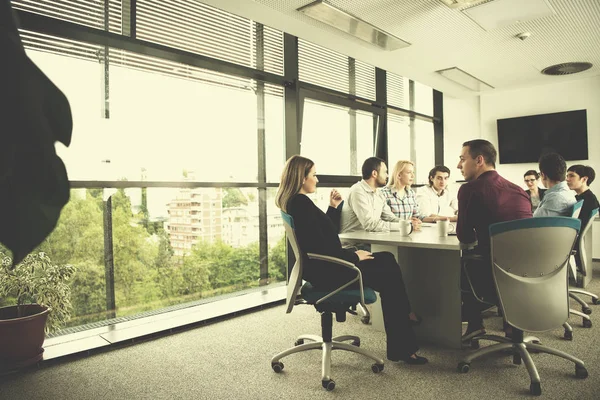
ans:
x=536 y=194
x=401 y=198
x=317 y=232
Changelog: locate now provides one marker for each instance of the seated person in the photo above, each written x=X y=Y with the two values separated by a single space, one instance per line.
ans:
x=579 y=179
x=558 y=199
x=401 y=198
x=485 y=199
x=365 y=208
x=536 y=194
x=436 y=200
x=317 y=233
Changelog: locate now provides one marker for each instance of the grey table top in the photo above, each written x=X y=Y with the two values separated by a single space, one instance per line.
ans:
x=427 y=237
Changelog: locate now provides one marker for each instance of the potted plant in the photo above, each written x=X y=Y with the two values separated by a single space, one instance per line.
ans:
x=43 y=302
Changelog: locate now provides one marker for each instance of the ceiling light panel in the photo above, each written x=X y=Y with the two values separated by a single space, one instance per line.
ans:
x=330 y=15
x=465 y=79
x=500 y=13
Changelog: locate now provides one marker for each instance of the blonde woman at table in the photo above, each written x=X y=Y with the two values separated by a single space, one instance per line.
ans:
x=317 y=233
x=401 y=198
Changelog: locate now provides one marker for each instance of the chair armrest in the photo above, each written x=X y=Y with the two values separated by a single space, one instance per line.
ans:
x=314 y=256
x=339 y=261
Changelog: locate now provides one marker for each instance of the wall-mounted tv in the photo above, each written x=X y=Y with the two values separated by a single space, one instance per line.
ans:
x=525 y=139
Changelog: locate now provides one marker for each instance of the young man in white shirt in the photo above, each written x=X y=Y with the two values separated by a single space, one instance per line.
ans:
x=436 y=200
x=365 y=207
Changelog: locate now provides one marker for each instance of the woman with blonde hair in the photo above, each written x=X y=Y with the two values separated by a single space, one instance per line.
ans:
x=400 y=197
x=317 y=232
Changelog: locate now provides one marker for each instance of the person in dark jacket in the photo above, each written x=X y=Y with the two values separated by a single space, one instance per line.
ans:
x=535 y=193
x=317 y=232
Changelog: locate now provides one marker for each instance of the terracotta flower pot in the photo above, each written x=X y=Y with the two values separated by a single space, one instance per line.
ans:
x=21 y=339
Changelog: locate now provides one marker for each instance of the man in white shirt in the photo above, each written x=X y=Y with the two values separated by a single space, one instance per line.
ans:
x=365 y=208
x=436 y=200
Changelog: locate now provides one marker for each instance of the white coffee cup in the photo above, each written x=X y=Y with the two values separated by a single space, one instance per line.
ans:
x=406 y=227
x=444 y=227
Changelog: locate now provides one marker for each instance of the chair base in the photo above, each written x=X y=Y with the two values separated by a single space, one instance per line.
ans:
x=336 y=343
x=521 y=351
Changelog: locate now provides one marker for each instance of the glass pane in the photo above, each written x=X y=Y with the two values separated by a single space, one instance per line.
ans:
x=326 y=128
x=277 y=240
x=180 y=245
x=398 y=139
x=80 y=81
x=78 y=240
x=176 y=128
x=425 y=150
x=423 y=99
x=274 y=137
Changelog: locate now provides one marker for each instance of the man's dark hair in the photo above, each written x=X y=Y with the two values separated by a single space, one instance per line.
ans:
x=583 y=170
x=436 y=169
x=480 y=147
x=553 y=165
x=371 y=164
x=532 y=172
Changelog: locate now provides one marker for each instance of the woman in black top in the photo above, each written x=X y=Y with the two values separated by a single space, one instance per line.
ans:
x=317 y=232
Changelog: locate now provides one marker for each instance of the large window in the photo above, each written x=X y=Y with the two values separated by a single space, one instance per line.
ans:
x=338 y=139
x=180 y=120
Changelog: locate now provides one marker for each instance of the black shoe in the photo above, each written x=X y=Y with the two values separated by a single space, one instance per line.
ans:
x=409 y=360
x=416 y=322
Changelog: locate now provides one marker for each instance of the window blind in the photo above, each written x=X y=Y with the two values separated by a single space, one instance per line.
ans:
x=83 y=12
x=202 y=29
x=397 y=91
x=323 y=67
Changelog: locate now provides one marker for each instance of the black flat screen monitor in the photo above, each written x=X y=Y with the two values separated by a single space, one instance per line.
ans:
x=525 y=139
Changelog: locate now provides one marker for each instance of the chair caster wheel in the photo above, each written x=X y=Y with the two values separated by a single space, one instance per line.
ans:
x=535 y=389
x=474 y=344
x=365 y=320
x=595 y=300
x=356 y=343
x=517 y=359
x=328 y=385
x=586 y=310
x=277 y=366
x=464 y=367
x=299 y=342
x=568 y=335
x=581 y=372
x=587 y=323
x=377 y=368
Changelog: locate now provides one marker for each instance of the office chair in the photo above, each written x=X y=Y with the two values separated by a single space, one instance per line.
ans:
x=338 y=301
x=576 y=210
x=529 y=265
x=579 y=260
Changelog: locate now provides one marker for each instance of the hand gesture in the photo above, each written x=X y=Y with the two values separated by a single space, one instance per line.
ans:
x=363 y=255
x=416 y=223
x=335 y=198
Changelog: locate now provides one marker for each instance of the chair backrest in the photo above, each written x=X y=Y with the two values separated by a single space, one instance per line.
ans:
x=581 y=248
x=577 y=209
x=529 y=264
x=295 y=278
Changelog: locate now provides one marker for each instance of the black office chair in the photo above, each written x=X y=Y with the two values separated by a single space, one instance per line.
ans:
x=338 y=301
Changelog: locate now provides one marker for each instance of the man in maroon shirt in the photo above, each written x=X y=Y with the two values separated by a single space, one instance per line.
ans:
x=485 y=199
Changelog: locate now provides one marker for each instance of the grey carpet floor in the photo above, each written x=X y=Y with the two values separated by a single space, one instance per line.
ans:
x=231 y=360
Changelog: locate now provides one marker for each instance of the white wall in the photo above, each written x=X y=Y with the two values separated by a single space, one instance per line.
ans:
x=564 y=96
x=461 y=123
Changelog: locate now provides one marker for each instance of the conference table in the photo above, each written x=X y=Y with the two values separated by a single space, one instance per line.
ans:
x=431 y=270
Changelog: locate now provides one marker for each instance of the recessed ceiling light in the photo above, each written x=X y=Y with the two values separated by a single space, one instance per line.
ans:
x=465 y=79
x=330 y=15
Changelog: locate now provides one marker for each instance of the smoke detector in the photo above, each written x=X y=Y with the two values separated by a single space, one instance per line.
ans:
x=462 y=3
x=567 y=68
